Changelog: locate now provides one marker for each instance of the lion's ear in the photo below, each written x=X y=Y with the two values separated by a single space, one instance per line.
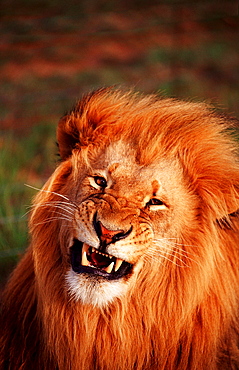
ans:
x=78 y=128
x=227 y=222
x=67 y=136
x=231 y=201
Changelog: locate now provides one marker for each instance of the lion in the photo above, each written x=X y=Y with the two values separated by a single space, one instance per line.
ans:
x=133 y=262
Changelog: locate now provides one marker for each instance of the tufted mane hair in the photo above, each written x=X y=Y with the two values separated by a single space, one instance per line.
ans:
x=176 y=317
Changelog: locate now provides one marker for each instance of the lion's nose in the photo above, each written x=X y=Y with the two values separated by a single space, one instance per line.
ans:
x=107 y=236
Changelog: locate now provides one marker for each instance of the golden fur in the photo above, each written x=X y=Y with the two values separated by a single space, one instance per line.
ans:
x=164 y=174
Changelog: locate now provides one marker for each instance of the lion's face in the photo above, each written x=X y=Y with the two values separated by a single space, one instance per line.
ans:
x=140 y=197
x=125 y=217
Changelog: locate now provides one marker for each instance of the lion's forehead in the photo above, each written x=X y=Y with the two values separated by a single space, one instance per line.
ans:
x=118 y=163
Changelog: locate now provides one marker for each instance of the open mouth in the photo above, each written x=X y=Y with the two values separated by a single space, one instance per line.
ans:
x=87 y=259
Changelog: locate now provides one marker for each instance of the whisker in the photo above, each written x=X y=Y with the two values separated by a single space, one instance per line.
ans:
x=177 y=250
x=68 y=208
x=176 y=243
x=169 y=250
x=59 y=206
x=167 y=257
x=55 y=203
x=52 y=192
x=52 y=219
x=149 y=259
x=62 y=214
x=52 y=202
x=180 y=252
x=172 y=261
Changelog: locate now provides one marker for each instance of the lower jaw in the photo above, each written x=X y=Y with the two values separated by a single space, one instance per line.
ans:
x=98 y=273
x=94 y=272
x=96 y=291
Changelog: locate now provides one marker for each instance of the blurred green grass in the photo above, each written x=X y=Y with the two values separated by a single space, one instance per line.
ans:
x=24 y=160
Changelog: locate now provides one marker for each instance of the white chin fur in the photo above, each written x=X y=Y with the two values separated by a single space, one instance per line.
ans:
x=98 y=293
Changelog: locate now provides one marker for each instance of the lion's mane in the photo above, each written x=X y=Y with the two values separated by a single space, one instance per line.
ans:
x=176 y=316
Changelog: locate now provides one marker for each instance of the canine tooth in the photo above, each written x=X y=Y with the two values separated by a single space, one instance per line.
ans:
x=93 y=249
x=84 y=260
x=109 y=268
x=118 y=263
x=85 y=248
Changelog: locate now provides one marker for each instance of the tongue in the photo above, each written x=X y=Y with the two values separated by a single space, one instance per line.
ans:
x=98 y=260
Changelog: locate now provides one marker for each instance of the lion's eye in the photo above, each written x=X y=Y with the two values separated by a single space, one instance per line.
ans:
x=155 y=203
x=100 y=181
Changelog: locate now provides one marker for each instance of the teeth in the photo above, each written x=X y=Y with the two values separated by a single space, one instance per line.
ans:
x=118 y=263
x=84 y=260
x=109 y=268
x=113 y=265
x=103 y=254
